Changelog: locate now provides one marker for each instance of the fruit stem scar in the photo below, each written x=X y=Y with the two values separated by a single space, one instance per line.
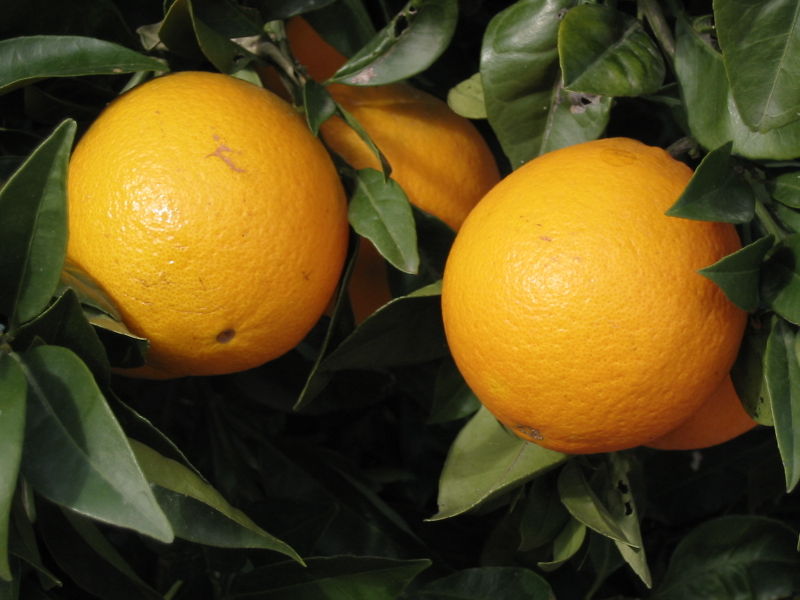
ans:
x=225 y=336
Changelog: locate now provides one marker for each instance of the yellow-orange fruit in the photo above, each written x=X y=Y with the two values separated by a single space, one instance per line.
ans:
x=573 y=306
x=212 y=218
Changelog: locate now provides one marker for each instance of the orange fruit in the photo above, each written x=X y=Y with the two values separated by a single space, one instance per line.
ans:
x=439 y=158
x=720 y=418
x=572 y=304
x=212 y=217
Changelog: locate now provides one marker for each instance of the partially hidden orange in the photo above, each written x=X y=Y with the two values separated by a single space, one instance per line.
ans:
x=213 y=219
x=573 y=305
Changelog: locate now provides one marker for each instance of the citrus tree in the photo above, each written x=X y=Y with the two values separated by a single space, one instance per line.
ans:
x=360 y=463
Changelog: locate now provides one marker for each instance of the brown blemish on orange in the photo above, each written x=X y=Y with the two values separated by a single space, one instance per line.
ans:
x=529 y=432
x=224 y=158
x=223 y=337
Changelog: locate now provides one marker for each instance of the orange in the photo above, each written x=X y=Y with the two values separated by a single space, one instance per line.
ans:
x=720 y=418
x=439 y=158
x=212 y=218
x=573 y=306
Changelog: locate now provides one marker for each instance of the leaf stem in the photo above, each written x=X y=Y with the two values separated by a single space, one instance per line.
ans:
x=658 y=23
x=768 y=221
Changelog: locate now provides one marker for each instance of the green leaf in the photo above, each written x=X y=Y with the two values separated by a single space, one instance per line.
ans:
x=604 y=51
x=733 y=557
x=332 y=578
x=711 y=112
x=782 y=378
x=410 y=43
x=34 y=228
x=24 y=60
x=717 y=191
x=75 y=451
x=485 y=583
x=739 y=274
x=273 y=10
x=380 y=211
x=13 y=389
x=485 y=461
x=526 y=105
x=760 y=44
x=543 y=516
x=748 y=372
x=565 y=545
x=452 y=398
x=362 y=133
x=785 y=188
x=780 y=287
x=317 y=104
x=467 y=100
x=196 y=511
x=81 y=550
x=583 y=504
x=327 y=22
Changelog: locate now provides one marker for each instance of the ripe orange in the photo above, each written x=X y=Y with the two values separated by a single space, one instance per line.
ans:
x=438 y=157
x=212 y=217
x=573 y=306
x=721 y=418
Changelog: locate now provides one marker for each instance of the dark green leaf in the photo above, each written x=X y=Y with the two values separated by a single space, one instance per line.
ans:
x=527 y=107
x=785 y=189
x=565 y=545
x=780 y=287
x=81 y=550
x=318 y=105
x=452 y=398
x=23 y=539
x=733 y=557
x=748 y=372
x=348 y=40
x=27 y=59
x=75 y=451
x=789 y=218
x=544 y=516
x=466 y=99
x=739 y=274
x=380 y=211
x=605 y=52
x=332 y=578
x=487 y=460
x=488 y=583
x=13 y=389
x=408 y=45
x=717 y=191
x=197 y=511
x=273 y=10
x=583 y=504
x=34 y=228
x=782 y=390
x=711 y=112
x=760 y=44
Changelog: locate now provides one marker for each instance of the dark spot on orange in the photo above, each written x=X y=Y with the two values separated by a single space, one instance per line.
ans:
x=223 y=337
x=545 y=238
x=529 y=432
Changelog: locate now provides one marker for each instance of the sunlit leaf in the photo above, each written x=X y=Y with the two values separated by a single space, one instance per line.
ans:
x=782 y=378
x=414 y=38
x=728 y=555
x=466 y=99
x=483 y=583
x=380 y=211
x=486 y=460
x=332 y=578
x=760 y=44
x=27 y=59
x=13 y=389
x=717 y=191
x=33 y=228
x=604 y=51
x=739 y=274
x=75 y=451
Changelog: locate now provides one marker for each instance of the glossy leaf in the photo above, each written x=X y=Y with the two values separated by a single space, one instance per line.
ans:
x=332 y=578
x=409 y=44
x=583 y=504
x=380 y=211
x=781 y=278
x=711 y=112
x=75 y=451
x=730 y=556
x=485 y=461
x=28 y=59
x=605 y=52
x=526 y=105
x=483 y=583
x=467 y=100
x=33 y=228
x=739 y=274
x=318 y=105
x=760 y=44
x=782 y=389
x=785 y=189
x=13 y=389
x=717 y=191
x=196 y=511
